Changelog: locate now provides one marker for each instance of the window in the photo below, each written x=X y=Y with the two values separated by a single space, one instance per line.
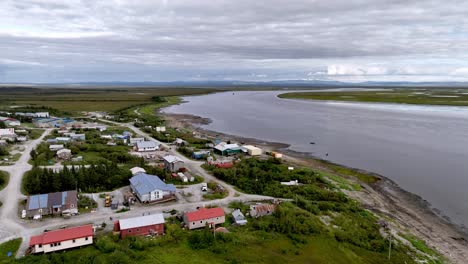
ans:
x=74 y=241
x=72 y=205
x=86 y=238
x=59 y=243
x=51 y=245
x=40 y=245
x=138 y=229
x=193 y=223
x=129 y=230
x=201 y=222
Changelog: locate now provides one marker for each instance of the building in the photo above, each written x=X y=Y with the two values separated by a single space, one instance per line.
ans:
x=52 y=204
x=161 y=129
x=42 y=114
x=140 y=226
x=56 y=147
x=3 y=143
x=77 y=137
x=180 y=142
x=64 y=154
x=150 y=188
x=62 y=239
x=63 y=139
x=290 y=183
x=225 y=149
x=252 y=150
x=8 y=134
x=10 y=121
x=173 y=163
x=259 y=210
x=144 y=146
x=239 y=217
x=203 y=217
x=133 y=141
x=136 y=170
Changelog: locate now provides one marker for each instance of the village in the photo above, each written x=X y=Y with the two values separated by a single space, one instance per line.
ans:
x=158 y=182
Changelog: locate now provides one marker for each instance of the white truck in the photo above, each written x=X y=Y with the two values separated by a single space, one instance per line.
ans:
x=204 y=187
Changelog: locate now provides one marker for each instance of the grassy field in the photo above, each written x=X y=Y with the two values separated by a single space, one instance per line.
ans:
x=452 y=97
x=75 y=100
x=10 y=246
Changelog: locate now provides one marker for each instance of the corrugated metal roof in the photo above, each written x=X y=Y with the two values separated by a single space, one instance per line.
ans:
x=204 y=213
x=146 y=144
x=141 y=221
x=62 y=235
x=144 y=183
x=172 y=159
x=224 y=146
x=37 y=201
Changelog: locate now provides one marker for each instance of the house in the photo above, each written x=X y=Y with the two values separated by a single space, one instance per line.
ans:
x=252 y=150
x=239 y=217
x=173 y=163
x=52 y=204
x=10 y=121
x=180 y=142
x=146 y=146
x=136 y=170
x=140 y=226
x=62 y=239
x=64 y=154
x=225 y=149
x=41 y=114
x=77 y=137
x=161 y=129
x=7 y=133
x=259 y=210
x=3 y=143
x=106 y=136
x=63 y=139
x=127 y=134
x=133 y=141
x=22 y=139
x=203 y=217
x=56 y=147
x=150 y=188
x=276 y=155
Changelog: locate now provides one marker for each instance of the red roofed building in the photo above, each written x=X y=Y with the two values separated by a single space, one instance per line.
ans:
x=203 y=217
x=62 y=239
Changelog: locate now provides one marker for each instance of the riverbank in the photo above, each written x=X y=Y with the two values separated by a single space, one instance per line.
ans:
x=453 y=97
x=404 y=211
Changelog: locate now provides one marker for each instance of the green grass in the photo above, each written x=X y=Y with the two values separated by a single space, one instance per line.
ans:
x=151 y=108
x=4 y=179
x=35 y=133
x=419 y=244
x=451 y=97
x=76 y=100
x=344 y=171
x=10 y=246
x=341 y=182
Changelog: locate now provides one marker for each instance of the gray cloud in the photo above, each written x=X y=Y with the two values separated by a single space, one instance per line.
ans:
x=191 y=39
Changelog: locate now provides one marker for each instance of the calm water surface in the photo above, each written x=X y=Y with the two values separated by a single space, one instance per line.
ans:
x=422 y=148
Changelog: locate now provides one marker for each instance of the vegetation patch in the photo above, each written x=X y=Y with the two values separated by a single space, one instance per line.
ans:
x=4 y=179
x=9 y=247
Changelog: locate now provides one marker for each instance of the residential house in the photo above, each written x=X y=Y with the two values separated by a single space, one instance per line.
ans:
x=173 y=163
x=8 y=134
x=252 y=150
x=136 y=170
x=145 y=146
x=150 y=188
x=200 y=154
x=180 y=142
x=140 y=226
x=161 y=129
x=56 y=147
x=52 y=204
x=22 y=139
x=63 y=139
x=77 y=137
x=133 y=141
x=290 y=183
x=203 y=217
x=51 y=140
x=259 y=210
x=239 y=217
x=10 y=121
x=42 y=114
x=64 y=154
x=62 y=239
x=225 y=149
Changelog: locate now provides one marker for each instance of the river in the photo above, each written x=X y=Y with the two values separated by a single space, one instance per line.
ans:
x=422 y=148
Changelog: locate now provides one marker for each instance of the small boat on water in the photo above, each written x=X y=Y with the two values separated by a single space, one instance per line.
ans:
x=312 y=143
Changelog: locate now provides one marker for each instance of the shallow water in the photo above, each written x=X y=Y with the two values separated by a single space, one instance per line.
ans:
x=422 y=148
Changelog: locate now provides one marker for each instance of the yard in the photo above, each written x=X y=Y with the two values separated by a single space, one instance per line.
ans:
x=9 y=247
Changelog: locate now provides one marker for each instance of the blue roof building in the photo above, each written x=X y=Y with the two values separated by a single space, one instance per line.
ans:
x=150 y=188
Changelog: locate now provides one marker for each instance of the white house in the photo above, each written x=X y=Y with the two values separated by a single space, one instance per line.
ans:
x=203 y=217
x=62 y=239
x=42 y=114
x=146 y=146
x=149 y=188
x=7 y=132
x=133 y=141
x=56 y=147
x=252 y=150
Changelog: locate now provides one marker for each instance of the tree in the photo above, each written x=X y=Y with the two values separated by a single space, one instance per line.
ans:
x=2 y=124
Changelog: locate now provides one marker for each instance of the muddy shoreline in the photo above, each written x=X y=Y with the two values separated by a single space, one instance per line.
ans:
x=407 y=212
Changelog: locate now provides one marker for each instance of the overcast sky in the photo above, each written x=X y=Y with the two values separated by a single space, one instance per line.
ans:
x=173 y=40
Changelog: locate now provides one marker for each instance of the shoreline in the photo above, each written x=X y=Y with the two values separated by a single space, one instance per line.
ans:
x=406 y=211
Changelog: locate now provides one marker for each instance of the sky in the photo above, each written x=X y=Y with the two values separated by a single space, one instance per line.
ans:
x=54 y=41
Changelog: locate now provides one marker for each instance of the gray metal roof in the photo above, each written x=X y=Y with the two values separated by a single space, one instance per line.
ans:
x=141 y=221
x=144 y=183
x=146 y=144
x=172 y=159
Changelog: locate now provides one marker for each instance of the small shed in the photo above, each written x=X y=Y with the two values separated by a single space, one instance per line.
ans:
x=173 y=163
x=136 y=170
x=252 y=150
x=56 y=147
x=239 y=217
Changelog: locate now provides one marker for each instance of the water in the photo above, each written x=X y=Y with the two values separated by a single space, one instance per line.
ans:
x=422 y=148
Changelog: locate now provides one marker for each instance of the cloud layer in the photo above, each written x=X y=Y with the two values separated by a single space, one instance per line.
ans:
x=81 y=40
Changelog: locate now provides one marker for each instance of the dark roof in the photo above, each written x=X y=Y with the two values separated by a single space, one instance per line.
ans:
x=54 y=200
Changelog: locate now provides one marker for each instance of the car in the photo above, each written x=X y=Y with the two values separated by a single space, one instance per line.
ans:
x=204 y=187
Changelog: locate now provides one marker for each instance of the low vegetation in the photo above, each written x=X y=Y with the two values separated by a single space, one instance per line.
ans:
x=4 y=179
x=9 y=247
x=453 y=97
